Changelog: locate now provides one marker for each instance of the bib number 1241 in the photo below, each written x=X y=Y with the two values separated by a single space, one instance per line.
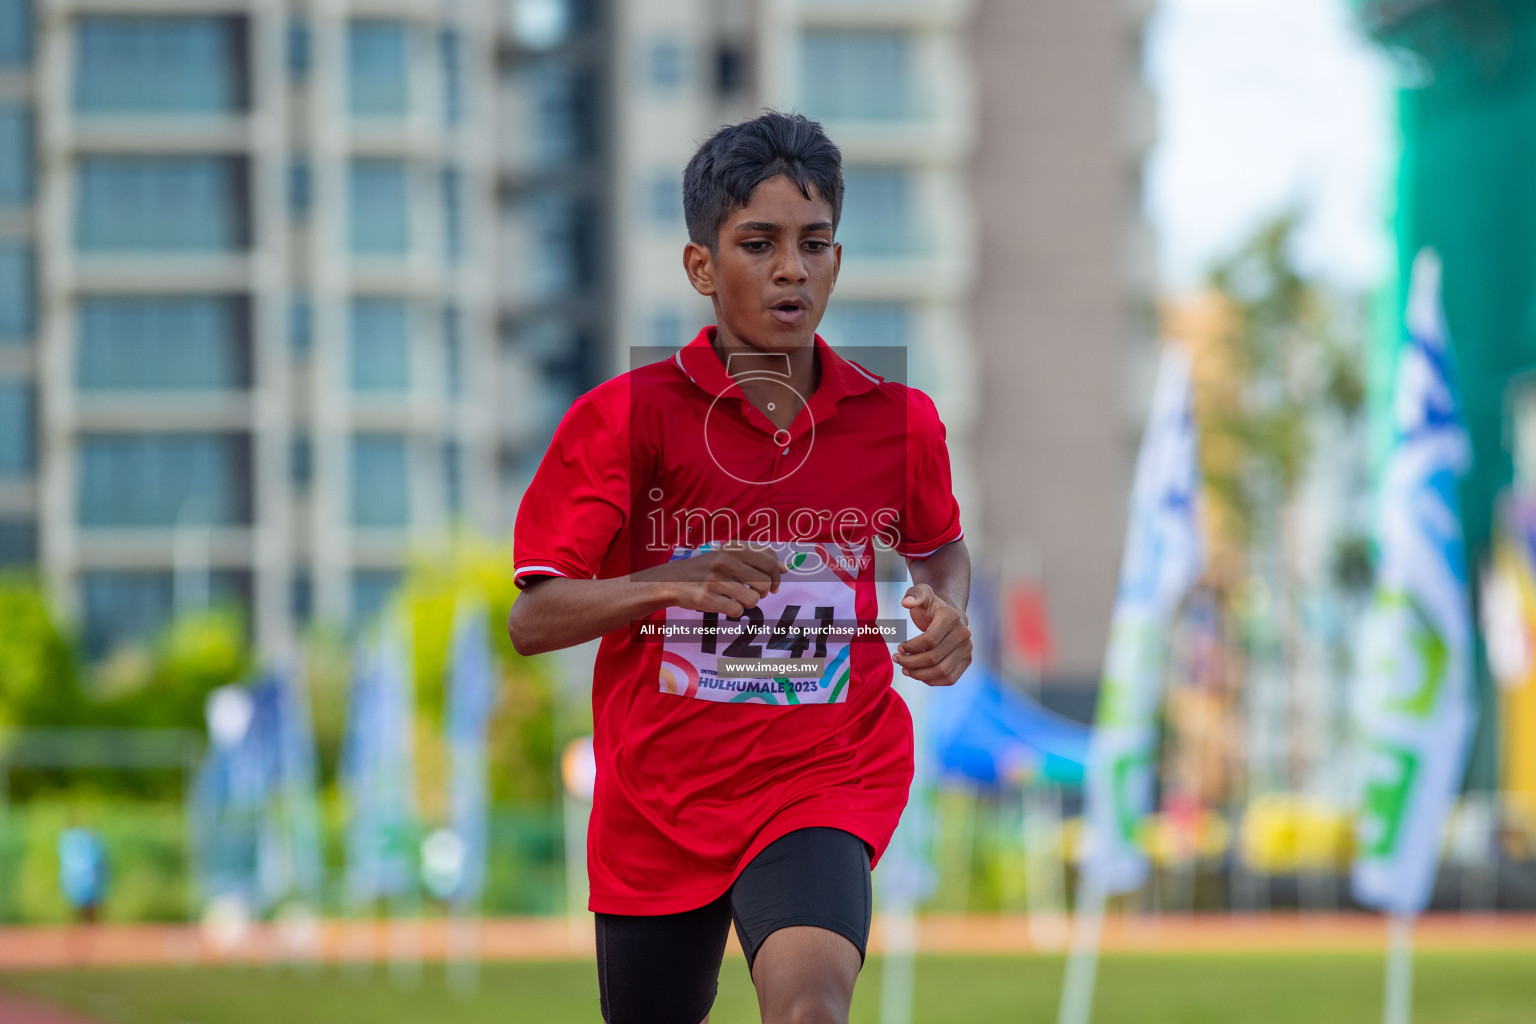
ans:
x=790 y=649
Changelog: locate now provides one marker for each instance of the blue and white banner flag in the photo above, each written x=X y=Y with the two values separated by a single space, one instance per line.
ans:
x=379 y=766
x=471 y=698
x=1413 y=704
x=256 y=833
x=1164 y=556
x=299 y=780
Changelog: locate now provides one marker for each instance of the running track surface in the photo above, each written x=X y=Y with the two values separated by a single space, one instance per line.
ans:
x=18 y=1009
x=33 y=948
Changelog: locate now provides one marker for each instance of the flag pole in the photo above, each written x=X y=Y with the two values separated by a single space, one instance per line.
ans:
x=896 y=980
x=1083 y=960
x=1399 y=994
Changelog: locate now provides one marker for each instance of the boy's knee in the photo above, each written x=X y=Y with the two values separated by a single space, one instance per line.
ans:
x=811 y=1008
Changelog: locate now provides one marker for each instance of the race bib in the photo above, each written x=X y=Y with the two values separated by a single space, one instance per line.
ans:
x=792 y=648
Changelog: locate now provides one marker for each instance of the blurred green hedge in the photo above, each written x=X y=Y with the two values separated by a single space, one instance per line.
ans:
x=148 y=860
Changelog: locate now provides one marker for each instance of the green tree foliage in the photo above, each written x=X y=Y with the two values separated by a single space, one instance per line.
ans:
x=522 y=731
x=1290 y=360
x=169 y=688
x=165 y=683
x=39 y=673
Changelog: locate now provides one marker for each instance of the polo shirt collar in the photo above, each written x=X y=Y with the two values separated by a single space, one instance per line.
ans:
x=839 y=378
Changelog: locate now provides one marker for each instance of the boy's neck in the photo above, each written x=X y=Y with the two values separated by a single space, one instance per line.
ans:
x=763 y=373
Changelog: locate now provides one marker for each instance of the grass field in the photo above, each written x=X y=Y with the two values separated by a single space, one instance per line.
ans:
x=1238 y=988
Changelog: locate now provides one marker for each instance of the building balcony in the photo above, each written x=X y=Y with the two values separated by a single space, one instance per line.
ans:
x=18 y=497
x=897 y=278
x=17 y=360
x=129 y=272
x=147 y=6
x=141 y=411
x=884 y=13
x=925 y=141
x=397 y=412
x=154 y=547
x=380 y=547
x=159 y=133
x=410 y=275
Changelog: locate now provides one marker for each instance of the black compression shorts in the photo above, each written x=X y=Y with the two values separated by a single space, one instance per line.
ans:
x=665 y=969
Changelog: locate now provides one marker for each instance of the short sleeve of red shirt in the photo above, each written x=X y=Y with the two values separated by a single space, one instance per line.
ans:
x=577 y=501
x=932 y=515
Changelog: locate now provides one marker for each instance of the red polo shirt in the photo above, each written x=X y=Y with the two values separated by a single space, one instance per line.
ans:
x=698 y=771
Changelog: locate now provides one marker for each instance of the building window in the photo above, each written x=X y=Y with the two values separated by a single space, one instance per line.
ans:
x=453 y=214
x=121 y=606
x=371 y=591
x=301 y=597
x=181 y=342
x=862 y=74
x=164 y=480
x=565 y=102
x=380 y=480
x=136 y=605
x=378 y=82
x=664 y=200
x=17 y=288
x=379 y=348
x=18 y=542
x=298 y=50
x=451 y=54
x=730 y=70
x=453 y=352
x=667 y=329
x=664 y=65
x=453 y=478
x=15 y=33
x=874 y=324
x=162 y=204
x=567 y=360
x=301 y=463
x=15 y=155
x=160 y=65
x=301 y=319
x=552 y=268
x=877 y=216
x=18 y=428
x=299 y=181
x=379 y=207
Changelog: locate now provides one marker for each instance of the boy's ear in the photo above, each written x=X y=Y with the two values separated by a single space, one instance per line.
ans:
x=699 y=264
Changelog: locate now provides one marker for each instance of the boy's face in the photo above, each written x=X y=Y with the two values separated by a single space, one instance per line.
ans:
x=774 y=273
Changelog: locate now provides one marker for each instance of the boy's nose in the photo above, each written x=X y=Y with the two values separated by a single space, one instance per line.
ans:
x=790 y=269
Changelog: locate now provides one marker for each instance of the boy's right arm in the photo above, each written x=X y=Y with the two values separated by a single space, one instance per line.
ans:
x=555 y=611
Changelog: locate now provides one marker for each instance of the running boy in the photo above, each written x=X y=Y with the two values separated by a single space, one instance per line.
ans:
x=714 y=517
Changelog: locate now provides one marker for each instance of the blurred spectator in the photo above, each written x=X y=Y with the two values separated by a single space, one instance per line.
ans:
x=83 y=872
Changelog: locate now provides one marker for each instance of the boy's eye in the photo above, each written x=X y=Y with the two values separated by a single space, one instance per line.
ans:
x=817 y=244
x=757 y=245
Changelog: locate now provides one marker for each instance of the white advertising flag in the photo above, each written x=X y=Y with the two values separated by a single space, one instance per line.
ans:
x=1164 y=555
x=1413 y=703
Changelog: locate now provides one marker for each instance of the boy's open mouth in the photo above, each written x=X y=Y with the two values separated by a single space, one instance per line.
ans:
x=788 y=312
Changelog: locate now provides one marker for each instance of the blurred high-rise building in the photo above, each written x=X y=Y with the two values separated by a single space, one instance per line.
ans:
x=249 y=300
x=1063 y=311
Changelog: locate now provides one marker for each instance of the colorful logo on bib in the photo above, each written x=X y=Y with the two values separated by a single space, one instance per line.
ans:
x=678 y=675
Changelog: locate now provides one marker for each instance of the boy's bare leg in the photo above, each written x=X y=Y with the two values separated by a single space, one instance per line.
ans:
x=805 y=975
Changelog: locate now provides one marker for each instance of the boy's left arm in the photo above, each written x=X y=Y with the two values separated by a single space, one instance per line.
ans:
x=936 y=601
